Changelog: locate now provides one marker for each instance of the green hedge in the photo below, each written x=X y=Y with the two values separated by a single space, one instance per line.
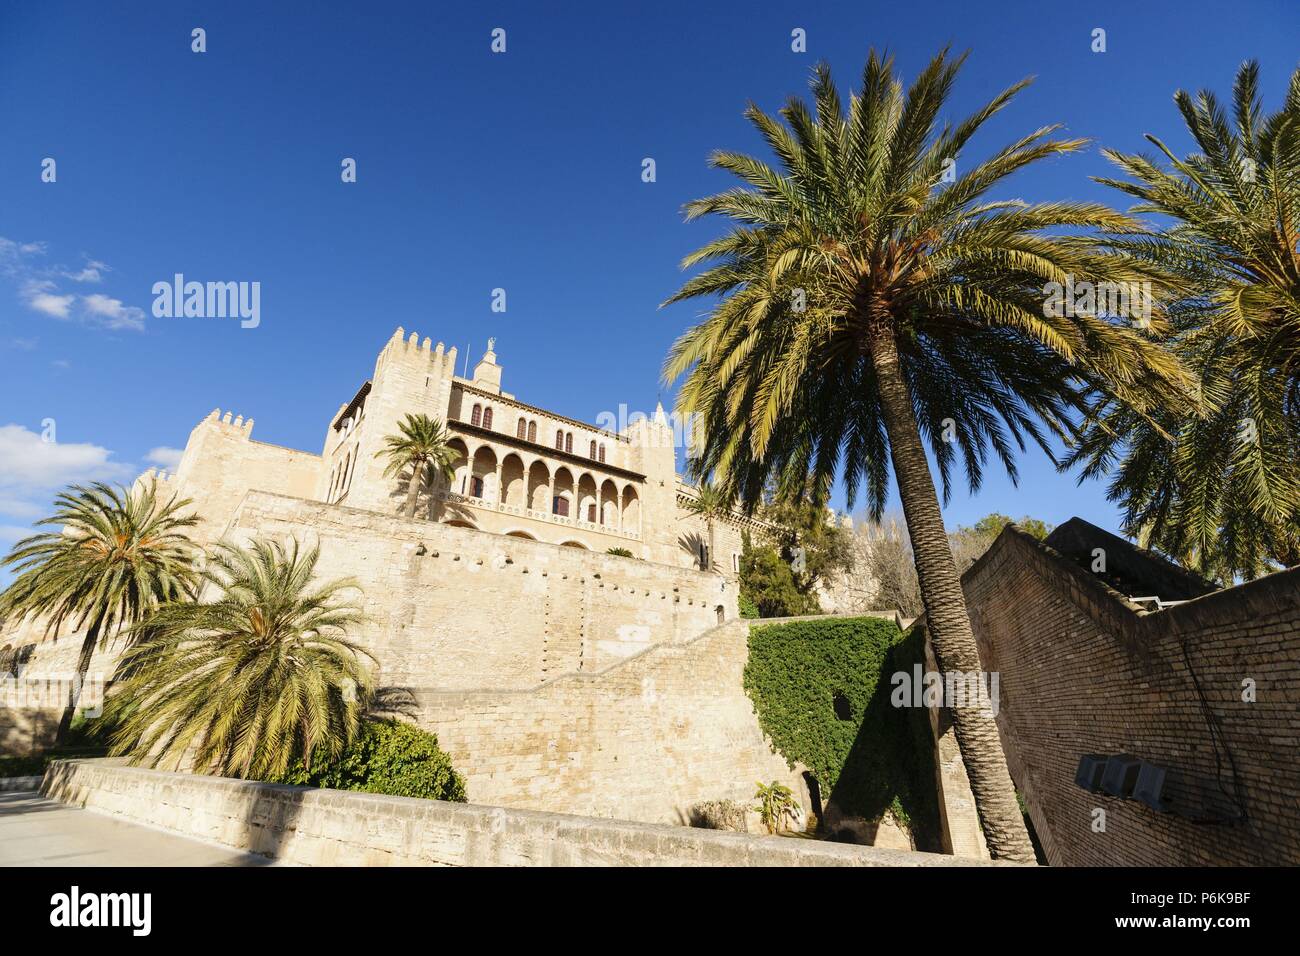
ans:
x=881 y=757
x=388 y=757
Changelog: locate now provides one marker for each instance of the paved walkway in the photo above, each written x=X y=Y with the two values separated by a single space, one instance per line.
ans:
x=39 y=832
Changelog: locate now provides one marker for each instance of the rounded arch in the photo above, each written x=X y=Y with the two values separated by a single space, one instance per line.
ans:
x=483 y=476
x=461 y=523
x=539 y=483
x=631 y=509
x=588 y=499
x=519 y=533
x=562 y=502
x=607 y=513
x=574 y=544
x=513 y=483
x=460 y=479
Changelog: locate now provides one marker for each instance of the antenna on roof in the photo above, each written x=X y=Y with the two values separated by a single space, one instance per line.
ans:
x=468 y=346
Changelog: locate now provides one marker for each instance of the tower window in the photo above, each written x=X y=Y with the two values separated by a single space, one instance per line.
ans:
x=592 y=454
x=559 y=441
x=476 y=416
x=532 y=431
x=522 y=429
x=601 y=455
x=487 y=417
x=568 y=443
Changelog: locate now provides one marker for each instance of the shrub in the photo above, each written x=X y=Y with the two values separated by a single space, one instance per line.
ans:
x=775 y=805
x=621 y=552
x=747 y=606
x=880 y=757
x=718 y=815
x=387 y=757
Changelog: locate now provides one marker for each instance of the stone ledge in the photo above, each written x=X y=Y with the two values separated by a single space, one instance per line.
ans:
x=330 y=827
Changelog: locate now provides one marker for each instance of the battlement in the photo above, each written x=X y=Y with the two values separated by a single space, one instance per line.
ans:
x=401 y=347
x=239 y=424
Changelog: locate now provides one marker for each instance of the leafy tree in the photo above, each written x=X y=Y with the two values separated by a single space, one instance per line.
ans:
x=420 y=446
x=1214 y=481
x=991 y=525
x=118 y=555
x=866 y=305
x=810 y=537
x=767 y=583
x=250 y=682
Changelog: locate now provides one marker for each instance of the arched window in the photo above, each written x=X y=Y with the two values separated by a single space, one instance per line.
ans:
x=602 y=453
x=559 y=441
x=487 y=417
x=476 y=416
x=351 y=471
x=568 y=443
x=532 y=431
x=592 y=454
x=522 y=429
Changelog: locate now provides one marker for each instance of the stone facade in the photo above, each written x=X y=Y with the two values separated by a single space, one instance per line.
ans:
x=521 y=470
x=559 y=677
x=1086 y=670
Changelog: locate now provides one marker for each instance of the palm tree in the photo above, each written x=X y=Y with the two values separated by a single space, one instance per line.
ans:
x=1216 y=483
x=867 y=306
x=711 y=504
x=421 y=445
x=118 y=555
x=248 y=683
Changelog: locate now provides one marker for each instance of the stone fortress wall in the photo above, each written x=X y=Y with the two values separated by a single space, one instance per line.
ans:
x=455 y=608
x=559 y=676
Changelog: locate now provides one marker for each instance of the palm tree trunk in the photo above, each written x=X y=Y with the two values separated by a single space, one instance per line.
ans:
x=83 y=668
x=945 y=607
x=712 y=538
x=413 y=488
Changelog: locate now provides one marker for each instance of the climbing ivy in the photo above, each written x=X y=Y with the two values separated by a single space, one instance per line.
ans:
x=870 y=756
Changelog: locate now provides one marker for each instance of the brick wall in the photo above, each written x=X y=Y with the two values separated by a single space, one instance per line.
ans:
x=1084 y=671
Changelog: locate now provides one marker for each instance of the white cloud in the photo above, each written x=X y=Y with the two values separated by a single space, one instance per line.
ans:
x=92 y=271
x=111 y=313
x=168 y=459
x=29 y=463
x=43 y=297
x=40 y=292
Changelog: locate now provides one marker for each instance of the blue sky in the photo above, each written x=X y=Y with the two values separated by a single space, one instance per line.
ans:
x=476 y=171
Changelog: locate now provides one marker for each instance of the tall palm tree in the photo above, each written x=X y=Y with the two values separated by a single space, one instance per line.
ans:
x=1215 y=483
x=711 y=504
x=421 y=445
x=118 y=555
x=248 y=683
x=866 y=306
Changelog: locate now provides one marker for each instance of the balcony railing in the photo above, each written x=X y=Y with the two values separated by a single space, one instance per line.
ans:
x=482 y=504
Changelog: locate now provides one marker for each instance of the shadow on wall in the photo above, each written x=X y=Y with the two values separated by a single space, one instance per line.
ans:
x=890 y=766
x=693 y=544
x=822 y=689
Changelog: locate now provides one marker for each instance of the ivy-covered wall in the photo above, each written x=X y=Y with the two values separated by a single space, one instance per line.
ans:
x=821 y=690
